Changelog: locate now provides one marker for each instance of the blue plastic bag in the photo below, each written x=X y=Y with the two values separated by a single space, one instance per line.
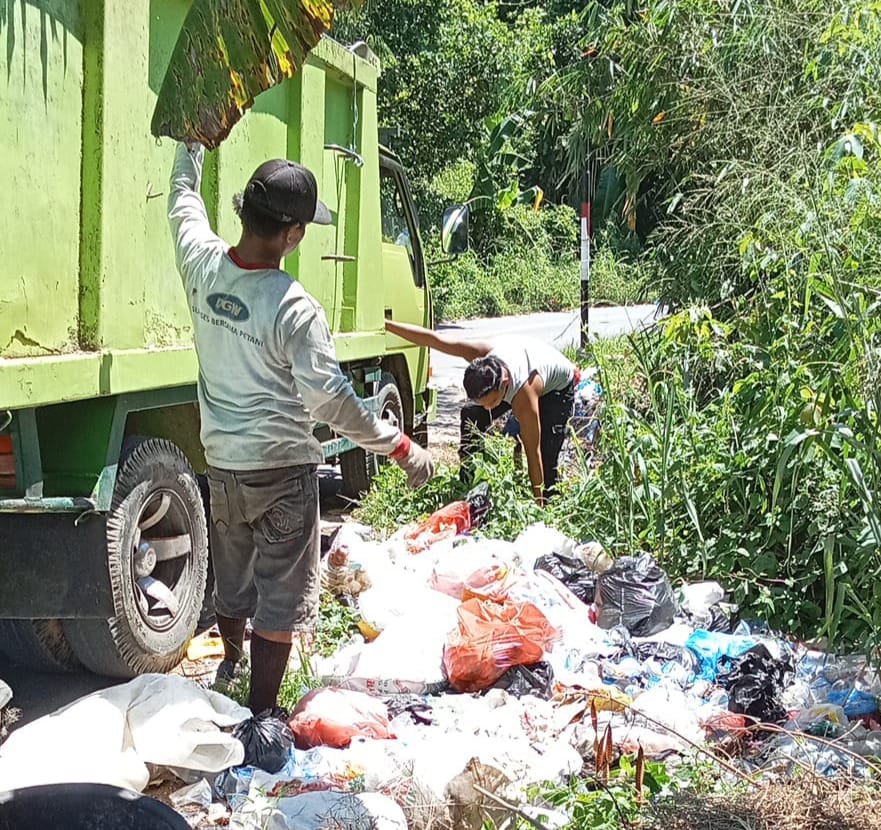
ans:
x=711 y=646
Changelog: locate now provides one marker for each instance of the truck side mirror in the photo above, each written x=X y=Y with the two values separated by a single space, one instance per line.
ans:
x=454 y=230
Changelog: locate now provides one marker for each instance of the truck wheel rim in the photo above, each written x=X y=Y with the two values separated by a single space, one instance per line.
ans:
x=161 y=560
x=390 y=414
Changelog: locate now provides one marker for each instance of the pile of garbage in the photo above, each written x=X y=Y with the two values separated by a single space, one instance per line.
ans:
x=584 y=425
x=482 y=669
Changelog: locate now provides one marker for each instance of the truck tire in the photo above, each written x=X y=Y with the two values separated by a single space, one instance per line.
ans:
x=420 y=435
x=157 y=556
x=359 y=466
x=38 y=644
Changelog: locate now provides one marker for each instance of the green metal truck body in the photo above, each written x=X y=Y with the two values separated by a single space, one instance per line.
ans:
x=95 y=334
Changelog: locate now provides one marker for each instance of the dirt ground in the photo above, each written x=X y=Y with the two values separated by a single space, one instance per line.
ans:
x=444 y=452
x=810 y=803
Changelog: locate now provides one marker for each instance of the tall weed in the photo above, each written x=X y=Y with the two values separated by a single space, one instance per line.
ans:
x=756 y=458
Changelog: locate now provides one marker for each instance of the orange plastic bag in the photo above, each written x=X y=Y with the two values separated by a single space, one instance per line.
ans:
x=490 y=638
x=332 y=717
x=449 y=521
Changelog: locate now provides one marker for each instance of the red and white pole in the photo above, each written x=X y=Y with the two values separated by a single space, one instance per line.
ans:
x=585 y=270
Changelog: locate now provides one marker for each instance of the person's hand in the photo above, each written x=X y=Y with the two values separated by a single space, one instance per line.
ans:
x=192 y=145
x=414 y=461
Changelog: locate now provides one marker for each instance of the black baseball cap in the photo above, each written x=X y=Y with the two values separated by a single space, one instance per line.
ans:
x=287 y=192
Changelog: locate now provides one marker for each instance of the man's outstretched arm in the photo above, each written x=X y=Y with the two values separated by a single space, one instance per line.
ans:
x=187 y=216
x=440 y=341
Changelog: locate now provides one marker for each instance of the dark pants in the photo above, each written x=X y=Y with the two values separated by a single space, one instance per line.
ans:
x=554 y=409
x=265 y=546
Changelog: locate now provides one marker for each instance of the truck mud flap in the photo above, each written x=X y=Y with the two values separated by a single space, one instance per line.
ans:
x=53 y=565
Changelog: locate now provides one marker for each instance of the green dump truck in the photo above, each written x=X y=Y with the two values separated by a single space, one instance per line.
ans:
x=103 y=542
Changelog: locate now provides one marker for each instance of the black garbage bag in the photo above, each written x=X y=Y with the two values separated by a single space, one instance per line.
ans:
x=479 y=504
x=721 y=617
x=572 y=572
x=267 y=741
x=755 y=682
x=635 y=593
x=536 y=680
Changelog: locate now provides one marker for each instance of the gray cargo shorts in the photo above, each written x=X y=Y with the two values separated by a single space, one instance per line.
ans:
x=265 y=546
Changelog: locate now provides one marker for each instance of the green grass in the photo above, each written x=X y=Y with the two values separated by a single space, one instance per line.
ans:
x=336 y=624
x=612 y=799
x=390 y=504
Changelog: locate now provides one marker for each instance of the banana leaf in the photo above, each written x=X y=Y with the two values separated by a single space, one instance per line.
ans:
x=607 y=195
x=227 y=53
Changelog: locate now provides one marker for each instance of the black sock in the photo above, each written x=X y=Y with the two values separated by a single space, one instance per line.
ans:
x=268 y=663
x=232 y=632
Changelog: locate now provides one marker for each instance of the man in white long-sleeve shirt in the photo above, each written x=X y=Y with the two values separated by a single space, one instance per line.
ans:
x=267 y=372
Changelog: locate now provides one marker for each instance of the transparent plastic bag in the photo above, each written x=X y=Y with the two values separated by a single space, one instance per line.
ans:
x=332 y=717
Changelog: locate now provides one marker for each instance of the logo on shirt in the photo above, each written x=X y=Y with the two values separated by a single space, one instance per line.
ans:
x=229 y=306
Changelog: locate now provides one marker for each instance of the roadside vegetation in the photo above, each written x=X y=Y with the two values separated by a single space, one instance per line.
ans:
x=740 y=150
x=736 y=150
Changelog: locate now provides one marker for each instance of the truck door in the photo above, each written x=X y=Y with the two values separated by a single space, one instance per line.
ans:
x=402 y=256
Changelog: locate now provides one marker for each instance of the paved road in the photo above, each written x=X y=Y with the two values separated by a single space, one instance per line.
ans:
x=562 y=329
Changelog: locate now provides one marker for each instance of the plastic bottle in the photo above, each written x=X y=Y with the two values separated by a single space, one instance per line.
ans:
x=718 y=698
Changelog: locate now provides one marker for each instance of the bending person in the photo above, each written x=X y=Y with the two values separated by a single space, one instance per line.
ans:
x=523 y=375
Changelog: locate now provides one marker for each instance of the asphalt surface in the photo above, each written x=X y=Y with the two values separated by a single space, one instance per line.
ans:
x=37 y=694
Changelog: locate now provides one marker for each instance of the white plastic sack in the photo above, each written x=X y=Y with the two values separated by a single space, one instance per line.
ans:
x=387 y=603
x=406 y=658
x=699 y=597
x=5 y=694
x=319 y=811
x=666 y=705
x=110 y=736
x=540 y=540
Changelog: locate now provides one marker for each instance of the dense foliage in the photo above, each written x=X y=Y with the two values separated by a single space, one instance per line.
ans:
x=755 y=457
x=456 y=102
x=707 y=115
x=740 y=166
